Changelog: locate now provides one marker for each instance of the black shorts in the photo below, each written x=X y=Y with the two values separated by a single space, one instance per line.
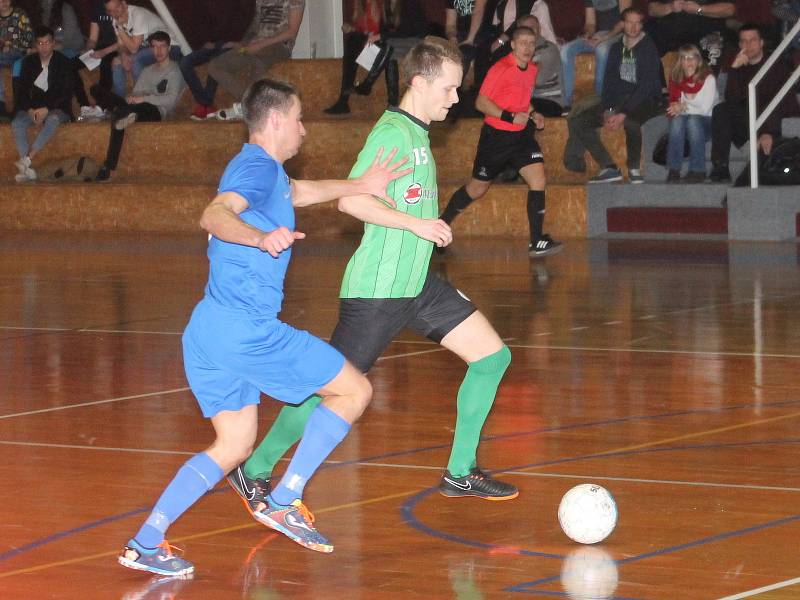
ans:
x=498 y=149
x=367 y=325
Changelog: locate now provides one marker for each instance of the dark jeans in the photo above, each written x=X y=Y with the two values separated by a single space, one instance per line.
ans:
x=729 y=124
x=586 y=127
x=119 y=108
x=106 y=78
x=203 y=94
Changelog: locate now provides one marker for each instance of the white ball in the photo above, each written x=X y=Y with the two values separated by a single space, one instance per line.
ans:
x=587 y=513
x=589 y=573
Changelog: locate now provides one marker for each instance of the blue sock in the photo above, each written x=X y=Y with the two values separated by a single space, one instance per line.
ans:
x=198 y=475
x=324 y=430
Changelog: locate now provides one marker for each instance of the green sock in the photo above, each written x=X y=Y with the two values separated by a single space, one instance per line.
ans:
x=475 y=399
x=284 y=433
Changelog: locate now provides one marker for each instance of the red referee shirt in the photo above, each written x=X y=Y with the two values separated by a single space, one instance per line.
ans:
x=510 y=88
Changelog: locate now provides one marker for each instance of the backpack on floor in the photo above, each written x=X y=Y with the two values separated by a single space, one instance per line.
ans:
x=73 y=168
x=782 y=166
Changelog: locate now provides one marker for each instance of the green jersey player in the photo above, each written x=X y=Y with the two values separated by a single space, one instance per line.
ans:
x=387 y=286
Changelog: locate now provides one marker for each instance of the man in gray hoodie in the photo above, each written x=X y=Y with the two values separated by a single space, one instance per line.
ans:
x=155 y=94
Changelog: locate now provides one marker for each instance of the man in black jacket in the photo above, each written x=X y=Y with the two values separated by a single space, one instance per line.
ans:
x=631 y=96
x=45 y=99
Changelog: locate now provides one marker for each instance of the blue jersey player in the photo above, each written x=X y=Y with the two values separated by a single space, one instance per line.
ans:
x=235 y=347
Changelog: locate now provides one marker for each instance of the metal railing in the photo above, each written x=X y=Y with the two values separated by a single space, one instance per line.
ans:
x=757 y=120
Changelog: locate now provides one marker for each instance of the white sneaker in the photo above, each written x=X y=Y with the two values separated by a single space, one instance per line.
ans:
x=233 y=113
x=23 y=164
x=125 y=121
x=25 y=176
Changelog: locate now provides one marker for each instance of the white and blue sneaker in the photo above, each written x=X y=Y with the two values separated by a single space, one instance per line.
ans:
x=294 y=521
x=159 y=560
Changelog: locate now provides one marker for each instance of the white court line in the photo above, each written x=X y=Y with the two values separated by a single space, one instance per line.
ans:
x=761 y=590
x=655 y=351
x=763 y=488
x=95 y=403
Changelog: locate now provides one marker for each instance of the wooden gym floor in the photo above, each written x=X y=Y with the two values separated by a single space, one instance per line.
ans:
x=665 y=371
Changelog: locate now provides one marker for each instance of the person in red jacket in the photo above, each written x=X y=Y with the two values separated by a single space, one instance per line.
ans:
x=507 y=138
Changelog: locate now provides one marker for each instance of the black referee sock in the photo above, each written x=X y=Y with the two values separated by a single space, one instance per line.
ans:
x=458 y=202
x=536 y=214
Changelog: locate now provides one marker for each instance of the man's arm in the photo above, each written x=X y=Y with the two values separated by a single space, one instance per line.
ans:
x=450 y=24
x=130 y=43
x=221 y=219
x=373 y=181
x=589 y=22
x=656 y=8
x=488 y=107
x=475 y=21
x=369 y=210
x=716 y=10
x=288 y=34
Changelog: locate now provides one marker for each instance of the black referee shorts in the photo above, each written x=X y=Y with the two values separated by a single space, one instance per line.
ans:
x=367 y=325
x=498 y=149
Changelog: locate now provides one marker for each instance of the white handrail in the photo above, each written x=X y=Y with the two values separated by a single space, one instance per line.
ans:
x=756 y=120
x=166 y=16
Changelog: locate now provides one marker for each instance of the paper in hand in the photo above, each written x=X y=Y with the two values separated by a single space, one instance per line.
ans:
x=91 y=63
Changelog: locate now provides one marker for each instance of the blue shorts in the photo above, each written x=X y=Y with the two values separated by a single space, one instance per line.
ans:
x=231 y=358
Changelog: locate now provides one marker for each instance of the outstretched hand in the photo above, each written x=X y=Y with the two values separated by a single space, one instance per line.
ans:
x=434 y=230
x=381 y=173
x=278 y=240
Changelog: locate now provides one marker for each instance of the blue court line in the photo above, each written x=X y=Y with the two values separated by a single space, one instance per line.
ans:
x=407 y=511
x=60 y=535
x=525 y=587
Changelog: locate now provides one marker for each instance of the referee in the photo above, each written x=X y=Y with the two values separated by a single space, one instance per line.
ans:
x=507 y=138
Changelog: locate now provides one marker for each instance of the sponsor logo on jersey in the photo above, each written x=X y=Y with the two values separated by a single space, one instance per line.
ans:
x=415 y=192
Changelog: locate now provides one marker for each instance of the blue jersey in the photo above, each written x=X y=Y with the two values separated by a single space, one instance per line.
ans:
x=243 y=278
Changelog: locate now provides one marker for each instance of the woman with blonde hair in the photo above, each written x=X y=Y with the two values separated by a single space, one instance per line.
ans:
x=692 y=96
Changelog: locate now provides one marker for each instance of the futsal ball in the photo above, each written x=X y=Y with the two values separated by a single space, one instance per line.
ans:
x=587 y=513
x=589 y=573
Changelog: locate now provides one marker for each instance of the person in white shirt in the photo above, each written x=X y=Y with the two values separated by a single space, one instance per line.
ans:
x=134 y=25
x=692 y=96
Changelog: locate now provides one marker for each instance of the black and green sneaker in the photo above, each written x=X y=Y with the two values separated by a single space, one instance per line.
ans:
x=253 y=492
x=476 y=483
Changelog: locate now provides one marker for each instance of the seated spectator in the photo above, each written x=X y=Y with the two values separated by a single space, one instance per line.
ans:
x=631 y=96
x=269 y=39
x=692 y=96
x=154 y=98
x=102 y=43
x=463 y=19
x=45 y=100
x=364 y=24
x=203 y=93
x=730 y=119
x=548 y=99
x=674 y=23
x=602 y=27
x=16 y=37
x=134 y=25
x=403 y=25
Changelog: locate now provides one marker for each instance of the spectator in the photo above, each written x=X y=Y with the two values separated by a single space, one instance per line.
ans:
x=102 y=43
x=154 y=98
x=730 y=119
x=269 y=40
x=602 y=27
x=674 y=23
x=463 y=19
x=692 y=96
x=45 y=99
x=631 y=95
x=134 y=25
x=402 y=27
x=507 y=138
x=16 y=37
x=364 y=24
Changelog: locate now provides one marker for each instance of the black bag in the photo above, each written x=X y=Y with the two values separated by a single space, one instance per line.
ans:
x=782 y=166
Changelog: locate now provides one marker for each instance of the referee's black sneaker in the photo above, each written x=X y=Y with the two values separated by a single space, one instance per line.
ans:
x=544 y=246
x=476 y=483
x=253 y=492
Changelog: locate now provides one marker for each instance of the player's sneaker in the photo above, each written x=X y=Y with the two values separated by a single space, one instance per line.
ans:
x=476 y=483
x=544 y=246
x=253 y=492
x=294 y=521
x=160 y=561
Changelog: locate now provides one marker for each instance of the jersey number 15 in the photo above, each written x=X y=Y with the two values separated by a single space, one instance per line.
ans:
x=420 y=156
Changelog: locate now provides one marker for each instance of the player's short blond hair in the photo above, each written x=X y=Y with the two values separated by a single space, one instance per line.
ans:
x=427 y=57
